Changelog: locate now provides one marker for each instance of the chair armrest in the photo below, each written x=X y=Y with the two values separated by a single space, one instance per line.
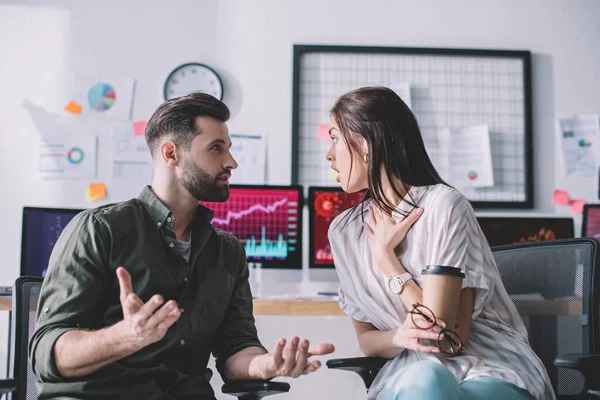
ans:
x=357 y=364
x=8 y=385
x=366 y=367
x=587 y=364
x=254 y=390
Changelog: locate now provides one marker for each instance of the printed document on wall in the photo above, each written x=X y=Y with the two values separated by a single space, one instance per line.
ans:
x=250 y=152
x=106 y=97
x=67 y=157
x=470 y=160
x=580 y=143
x=131 y=163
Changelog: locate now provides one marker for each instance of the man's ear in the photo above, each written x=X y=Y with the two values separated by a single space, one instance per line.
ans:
x=168 y=153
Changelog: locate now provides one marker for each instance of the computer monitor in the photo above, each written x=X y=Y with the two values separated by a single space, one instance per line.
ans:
x=508 y=230
x=268 y=222
x=325 y=203
x=41 y=229
x=591 y=221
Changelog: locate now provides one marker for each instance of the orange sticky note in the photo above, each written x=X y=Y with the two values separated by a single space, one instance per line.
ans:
x=323 y=132
x=73 y=107
x=139 y=127
x=96 y=191
x=577 y=205
x=560 y=197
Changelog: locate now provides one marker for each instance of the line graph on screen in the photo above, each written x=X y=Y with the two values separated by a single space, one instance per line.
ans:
x=264 y=220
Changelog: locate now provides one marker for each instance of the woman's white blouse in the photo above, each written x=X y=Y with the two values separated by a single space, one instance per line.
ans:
x=446 y=234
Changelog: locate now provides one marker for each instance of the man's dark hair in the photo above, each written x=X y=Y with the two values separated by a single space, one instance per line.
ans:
x=176 y=119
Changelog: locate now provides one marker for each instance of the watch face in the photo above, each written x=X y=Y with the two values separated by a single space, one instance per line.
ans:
x=193 y=78
x=395 y=285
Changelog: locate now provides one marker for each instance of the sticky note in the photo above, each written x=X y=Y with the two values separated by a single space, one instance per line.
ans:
x=333 y=174
x=73 y=107
x=560 y=197
x=139 y=128
x=577 y=205
x=323 y=132
x=96 y=191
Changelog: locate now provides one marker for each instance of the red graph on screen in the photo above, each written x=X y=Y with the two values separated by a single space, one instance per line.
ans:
x=327 y=204
x=265 y=220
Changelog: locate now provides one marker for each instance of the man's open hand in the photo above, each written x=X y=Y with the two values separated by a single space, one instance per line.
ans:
x=143 y=324
x=289 y=358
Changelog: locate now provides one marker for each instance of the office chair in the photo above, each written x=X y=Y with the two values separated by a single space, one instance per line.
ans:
x=25 y=300
x=555 y=285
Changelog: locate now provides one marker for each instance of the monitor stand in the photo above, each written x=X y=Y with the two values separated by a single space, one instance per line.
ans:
x=273 y=281
x=323 y=275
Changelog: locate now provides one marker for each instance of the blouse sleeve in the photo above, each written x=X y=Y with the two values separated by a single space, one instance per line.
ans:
x=456 y=240
x=348 y=296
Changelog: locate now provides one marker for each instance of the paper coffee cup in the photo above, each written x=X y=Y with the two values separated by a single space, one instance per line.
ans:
x=441 y=291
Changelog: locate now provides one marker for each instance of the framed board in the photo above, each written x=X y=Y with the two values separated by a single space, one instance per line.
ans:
x=448 y=88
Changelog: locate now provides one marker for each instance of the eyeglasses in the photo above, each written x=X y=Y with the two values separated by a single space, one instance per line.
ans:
x=448 y=342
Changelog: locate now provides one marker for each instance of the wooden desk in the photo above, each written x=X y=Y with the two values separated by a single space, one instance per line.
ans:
x=567 y=306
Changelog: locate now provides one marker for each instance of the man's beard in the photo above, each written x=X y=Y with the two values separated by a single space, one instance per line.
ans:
x=201 y=185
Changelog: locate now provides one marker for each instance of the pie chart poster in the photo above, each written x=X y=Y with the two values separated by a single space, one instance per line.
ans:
x=104 y=96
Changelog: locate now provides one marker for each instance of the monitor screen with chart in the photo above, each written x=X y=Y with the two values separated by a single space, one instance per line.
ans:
x=591 y=221
x=508 y=230
x=41 y=229
x=268 y=222
x=325 y=203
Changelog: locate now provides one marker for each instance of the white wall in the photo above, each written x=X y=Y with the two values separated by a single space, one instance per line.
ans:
x=42 y=43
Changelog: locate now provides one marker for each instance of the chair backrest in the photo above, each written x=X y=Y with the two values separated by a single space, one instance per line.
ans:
x=25 y=296
x=554 y=285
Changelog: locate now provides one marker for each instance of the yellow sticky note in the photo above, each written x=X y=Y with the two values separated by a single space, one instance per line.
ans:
x=73 y=107
x=333 y=174
x=96 y=191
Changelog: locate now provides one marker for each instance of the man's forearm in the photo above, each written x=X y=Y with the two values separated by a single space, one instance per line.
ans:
x=240 y=365
x=81 y=352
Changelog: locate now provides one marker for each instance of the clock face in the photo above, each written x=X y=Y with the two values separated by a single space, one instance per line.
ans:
x=193 y=78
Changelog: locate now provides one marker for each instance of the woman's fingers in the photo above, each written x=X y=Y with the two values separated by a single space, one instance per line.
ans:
x=372 y=215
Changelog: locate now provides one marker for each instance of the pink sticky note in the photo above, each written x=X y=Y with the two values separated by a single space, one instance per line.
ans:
x=139 y=127
x=577 y=205
x=560 y=197
x=323 y=132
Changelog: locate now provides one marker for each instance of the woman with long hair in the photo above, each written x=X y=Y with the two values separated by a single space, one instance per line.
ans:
x=409 y=219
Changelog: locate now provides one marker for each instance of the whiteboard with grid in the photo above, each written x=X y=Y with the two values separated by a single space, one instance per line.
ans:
x=449 y=88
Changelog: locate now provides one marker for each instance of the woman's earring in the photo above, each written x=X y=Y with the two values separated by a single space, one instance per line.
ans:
x=366 y=158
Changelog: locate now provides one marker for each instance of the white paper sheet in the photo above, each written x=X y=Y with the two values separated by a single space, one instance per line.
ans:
x=580 y=144
x=107 y=97
x=130 y=160
x=250 y=152
x=67 y=157
x=469 y=157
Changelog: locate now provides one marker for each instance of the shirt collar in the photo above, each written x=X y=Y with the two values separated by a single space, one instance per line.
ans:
x=414 y=195
x=161 y=215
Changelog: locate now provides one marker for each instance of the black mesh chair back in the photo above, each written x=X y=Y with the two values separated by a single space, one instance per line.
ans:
x=555 y=287
x=25 y=299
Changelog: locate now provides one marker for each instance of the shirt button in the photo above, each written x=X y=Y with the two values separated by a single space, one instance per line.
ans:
x=169 y=219
x=186 y=279
x=159 y=224
x=171 y=245
x=46 y=310
x=182 y=342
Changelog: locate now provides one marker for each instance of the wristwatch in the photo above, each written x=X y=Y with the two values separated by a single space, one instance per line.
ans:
x=396 y=283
